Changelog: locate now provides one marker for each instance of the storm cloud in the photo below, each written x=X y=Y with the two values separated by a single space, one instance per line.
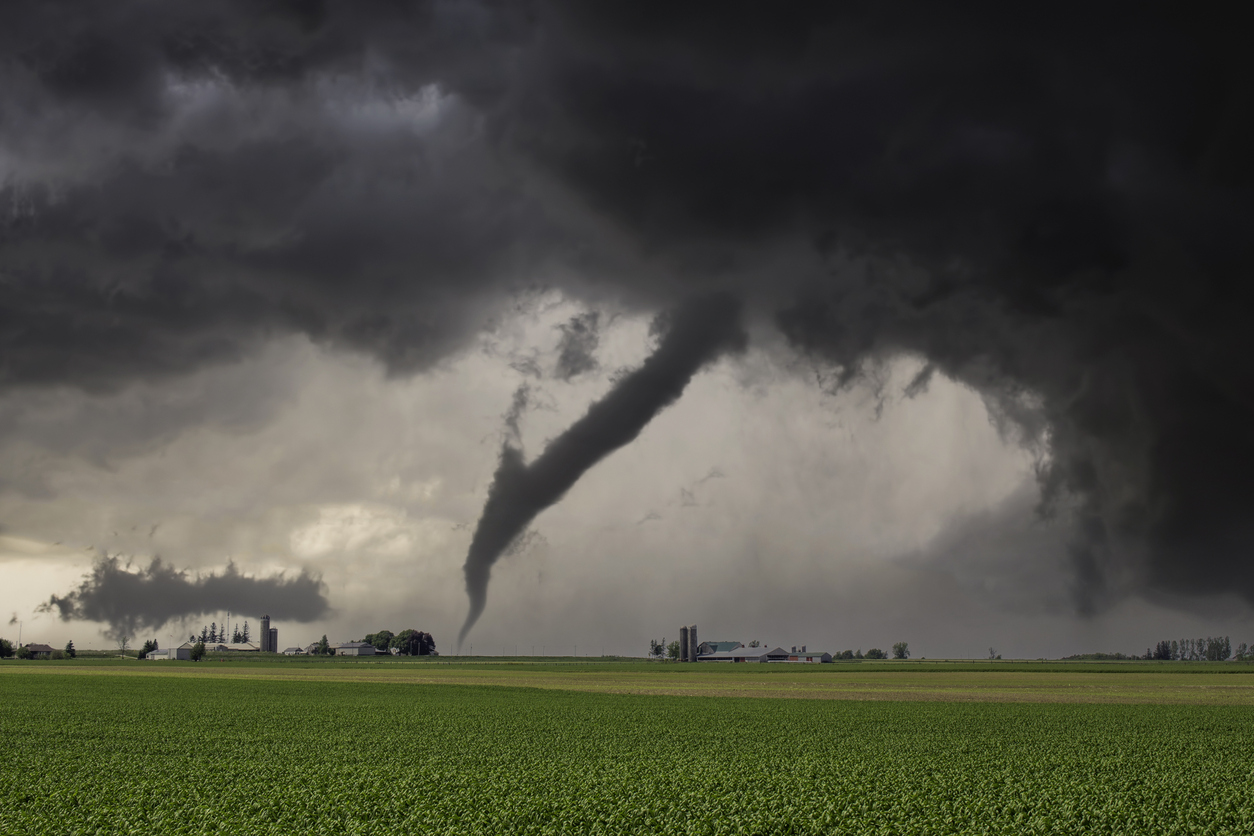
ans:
x=129 y=600
x=1050 y=206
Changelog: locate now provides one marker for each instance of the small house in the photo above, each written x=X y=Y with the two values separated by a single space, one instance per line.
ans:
x=39 y=651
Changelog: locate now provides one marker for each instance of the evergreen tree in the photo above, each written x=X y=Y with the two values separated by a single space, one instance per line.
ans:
x=245 y=631
x=213 y=632
x=204 y=635
x=324 y=646
x=70 y=652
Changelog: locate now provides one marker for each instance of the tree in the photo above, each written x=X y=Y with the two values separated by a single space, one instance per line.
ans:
x=204 y=635
x=6 y=648
x=657 y=649
x=24 y=652
x=672 y=650
x=901 y=650
x=755 y=643
x=381 y=640
x=324 y=646
x=198 y=651
x=413 y=643
x=123 y=643
x=236 y=636
x=70 y=652
x=148 y=647
x=876 y=653
x=213 y=633
x=244 y=632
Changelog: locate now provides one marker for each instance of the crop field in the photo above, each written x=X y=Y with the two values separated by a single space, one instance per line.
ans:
x=1137 y=682
x=133 y=749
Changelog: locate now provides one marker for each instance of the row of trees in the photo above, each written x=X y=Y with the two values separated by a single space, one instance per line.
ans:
x=406 y=642
x=901 y=650
x=212 y=635
x=1209 y=649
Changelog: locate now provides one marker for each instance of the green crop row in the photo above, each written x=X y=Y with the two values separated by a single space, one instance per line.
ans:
x=123 y=755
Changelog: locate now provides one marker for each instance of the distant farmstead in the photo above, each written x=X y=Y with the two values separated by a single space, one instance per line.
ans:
x=39 y=651
x=763 y=654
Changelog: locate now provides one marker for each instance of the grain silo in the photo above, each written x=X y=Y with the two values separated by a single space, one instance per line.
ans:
x=264 y=634
x=683 y=644
x=693 y=644
x=274 y=639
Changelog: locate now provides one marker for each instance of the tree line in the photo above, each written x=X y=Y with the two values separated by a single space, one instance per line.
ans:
x=406 y=642
x=1209 y=649
x=901 y=650
x=212 y=635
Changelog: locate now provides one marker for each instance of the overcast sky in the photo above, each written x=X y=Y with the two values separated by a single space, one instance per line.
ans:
x=868 y=324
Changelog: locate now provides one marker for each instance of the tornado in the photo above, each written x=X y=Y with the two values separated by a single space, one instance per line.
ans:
x=697 y=332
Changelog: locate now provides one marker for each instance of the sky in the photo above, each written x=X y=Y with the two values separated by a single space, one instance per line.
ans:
x=550 y=327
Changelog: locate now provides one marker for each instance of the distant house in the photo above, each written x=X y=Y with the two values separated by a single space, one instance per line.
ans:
x=355 y=649
x=39 y=651
x=312 y=649
x=294 y=651
x=804 y=655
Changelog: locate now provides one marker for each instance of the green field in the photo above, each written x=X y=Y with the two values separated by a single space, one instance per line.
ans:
x=415 y=747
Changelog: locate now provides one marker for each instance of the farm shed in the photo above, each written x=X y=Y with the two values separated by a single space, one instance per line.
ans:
x=355 y=649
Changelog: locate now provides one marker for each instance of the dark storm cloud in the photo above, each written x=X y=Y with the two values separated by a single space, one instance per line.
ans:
x=695 y=334
x=146 y=599
x=1050 y=205
x=576 y=352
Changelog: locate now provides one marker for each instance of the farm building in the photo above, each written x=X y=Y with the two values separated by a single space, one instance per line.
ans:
x=39 y=651
x=763 y=654
x=355 y=649
x=295 y=651
x=746 y=654
x=716 y=647
x=182 y=652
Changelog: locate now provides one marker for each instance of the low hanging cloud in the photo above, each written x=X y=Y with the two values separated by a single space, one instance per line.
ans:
x=129 y=601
